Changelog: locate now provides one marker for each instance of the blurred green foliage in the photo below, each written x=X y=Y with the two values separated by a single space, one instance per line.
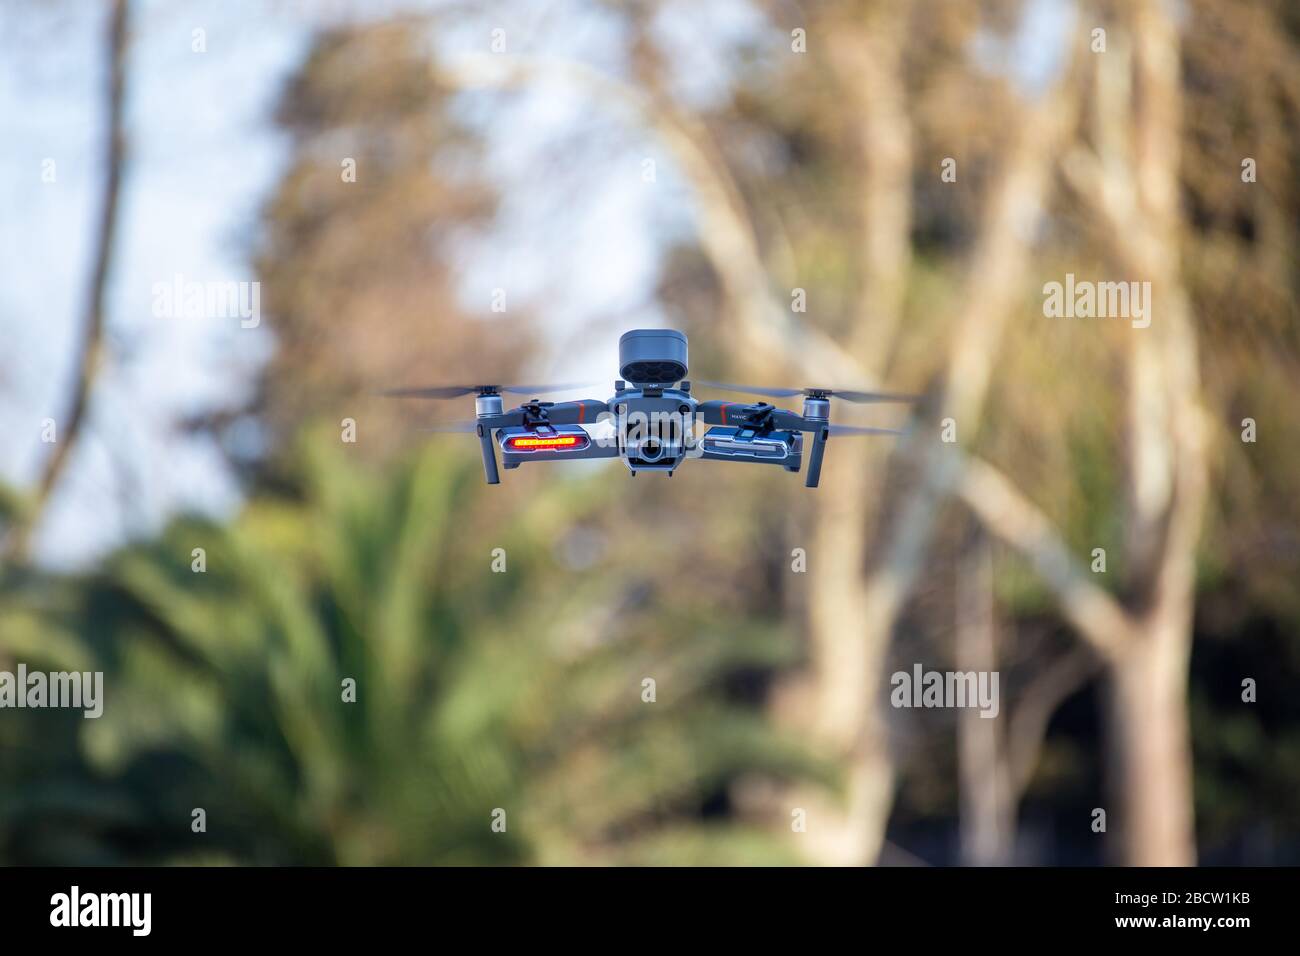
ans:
x=475 y=690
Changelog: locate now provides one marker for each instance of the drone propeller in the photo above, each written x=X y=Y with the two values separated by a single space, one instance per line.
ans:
x=531 y=415
x=862 y=430
x=847 y=394
x=466 y=427
x=455 y=391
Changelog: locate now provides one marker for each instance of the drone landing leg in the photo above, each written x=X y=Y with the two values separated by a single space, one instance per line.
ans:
x=815 y=461
x=489 y=456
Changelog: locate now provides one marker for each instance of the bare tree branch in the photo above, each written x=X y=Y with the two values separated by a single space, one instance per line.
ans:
x=1028 y=722
x=1006 y=513
x=92 y=341
x=994 y=278
x=869 y=61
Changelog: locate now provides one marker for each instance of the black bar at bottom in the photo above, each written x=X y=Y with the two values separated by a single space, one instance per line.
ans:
x=996 y=906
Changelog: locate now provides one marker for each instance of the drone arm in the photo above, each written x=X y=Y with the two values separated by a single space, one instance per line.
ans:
x=713 y=412
x=792 y=421
x=726 y=413
x=584 y=412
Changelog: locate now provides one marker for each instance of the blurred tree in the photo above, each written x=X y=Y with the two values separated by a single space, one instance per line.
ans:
x=827 y=159
x=799 y=162
x=355 y=260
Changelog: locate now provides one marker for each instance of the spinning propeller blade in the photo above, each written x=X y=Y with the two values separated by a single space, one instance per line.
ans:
x=542 y=389
x=848 y=395
x=442 y=391
x=468 y=427
x=865 y=397
x=862 y=430
x=455 y=391
x=754 y=389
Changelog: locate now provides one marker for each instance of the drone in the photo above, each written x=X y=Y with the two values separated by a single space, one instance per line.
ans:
x=653 y=415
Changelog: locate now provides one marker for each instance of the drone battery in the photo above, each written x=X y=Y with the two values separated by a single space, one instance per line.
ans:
x=652 y=356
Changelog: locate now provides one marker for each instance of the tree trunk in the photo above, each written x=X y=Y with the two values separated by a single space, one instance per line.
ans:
x=846 y=664
x=1149 y=746
x=987 y=808
x=847 y=658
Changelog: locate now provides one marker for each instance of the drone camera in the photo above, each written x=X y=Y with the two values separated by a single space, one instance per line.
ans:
x=655 y=442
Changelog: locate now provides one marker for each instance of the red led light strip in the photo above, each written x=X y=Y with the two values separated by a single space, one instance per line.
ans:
x=559 y=441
